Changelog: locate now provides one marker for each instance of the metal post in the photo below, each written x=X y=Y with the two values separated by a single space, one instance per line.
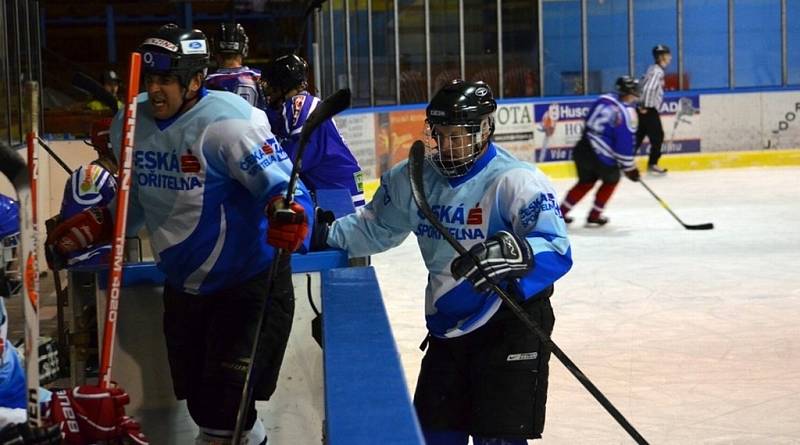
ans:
x=731 y=46
x=17 y=73
x=111 y=37
x=540 y=27
x=585 y=46
x=784 y=46
x=332 y=36
x=187 y=15
x=631 y=41
x=40 y=79
x=371 y=55
x=6 y=68
x=28 y=44
x=347 y=53
x=428 y=48
x=462 y=52
x=316 y=48
x=500 y=68
x=396 y=50
x=679 y=37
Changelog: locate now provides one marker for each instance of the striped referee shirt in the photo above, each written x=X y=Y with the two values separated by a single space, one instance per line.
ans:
x=653 y=87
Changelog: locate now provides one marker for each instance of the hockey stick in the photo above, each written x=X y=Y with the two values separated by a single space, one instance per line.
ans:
x=13 y=167
x=53 y=154
x=91 y=86
x=706 y=226
x=312 y=5
x=325 y=110
x=118 y=242
x=416 y=158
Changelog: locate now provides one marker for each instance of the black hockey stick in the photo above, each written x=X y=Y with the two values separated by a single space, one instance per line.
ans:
x=325 y=110
x=312 y=5
x=416 y=158
x=706 y=226
x=91 y=86
x=14 y=168
x=53 y=155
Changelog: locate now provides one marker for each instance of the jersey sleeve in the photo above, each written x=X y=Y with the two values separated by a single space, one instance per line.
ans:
x=625 y=138
x=531 y=209
x=380 y=225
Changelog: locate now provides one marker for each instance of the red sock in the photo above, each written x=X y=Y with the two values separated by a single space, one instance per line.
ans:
x=601 y=198
x=574 y=195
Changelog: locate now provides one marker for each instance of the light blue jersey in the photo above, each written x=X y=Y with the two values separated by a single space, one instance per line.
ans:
x=499 y=193
x=200 y=184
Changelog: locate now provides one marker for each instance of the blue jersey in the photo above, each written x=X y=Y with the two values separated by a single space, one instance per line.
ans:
x=499 y=193
x=243 y=81
x=88 y=186
x=200 y=185
x=611 y=131
x=327 y=160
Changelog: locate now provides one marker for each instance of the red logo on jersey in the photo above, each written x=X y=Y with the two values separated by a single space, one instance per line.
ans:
x=475 y=216
x=267 y=149
x=297 y=103
x=190 y=163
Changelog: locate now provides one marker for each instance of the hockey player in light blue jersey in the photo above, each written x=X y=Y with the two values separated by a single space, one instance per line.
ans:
x=230 y=47
x=484 y=374
x=206 y=171
x=606 y=147
x=328 y=162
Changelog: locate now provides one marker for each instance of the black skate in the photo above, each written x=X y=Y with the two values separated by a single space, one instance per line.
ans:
x=656 y=170
x=596 y=221
x=568 y=219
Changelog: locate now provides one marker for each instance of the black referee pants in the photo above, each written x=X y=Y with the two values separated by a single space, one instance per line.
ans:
x=650 y=126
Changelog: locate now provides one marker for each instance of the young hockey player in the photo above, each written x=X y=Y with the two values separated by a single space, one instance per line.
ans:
x=92 y=185
x=605 y=148
x=484 y=373
x=206 y=171
x=230 y=48
x=327 y=161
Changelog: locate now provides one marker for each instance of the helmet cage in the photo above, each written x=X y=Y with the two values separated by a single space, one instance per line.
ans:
x=464 y=147
x=10 y=276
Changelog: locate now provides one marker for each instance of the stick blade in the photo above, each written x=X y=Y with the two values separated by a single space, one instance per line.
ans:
x=416 y=159
x=91 y=86
x=12 y=165
x=706 y=226
x=331 y=106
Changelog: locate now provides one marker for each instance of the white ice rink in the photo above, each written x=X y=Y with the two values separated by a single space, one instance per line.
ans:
x=693 y=335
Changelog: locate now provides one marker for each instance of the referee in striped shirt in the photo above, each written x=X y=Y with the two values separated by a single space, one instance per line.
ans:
x=652 y=97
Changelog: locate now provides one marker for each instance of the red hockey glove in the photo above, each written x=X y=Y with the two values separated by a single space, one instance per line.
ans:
x=88 y=414
x=89 y=227
x=288 y=226
x=633 y=174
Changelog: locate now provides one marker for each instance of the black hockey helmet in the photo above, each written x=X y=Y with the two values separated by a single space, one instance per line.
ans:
x=110 y=76
x=231 y=39
x=468 y=105
x=174 y=50
x=286 y=72
x=627 y=85
x=461 y=102
x=660 y=49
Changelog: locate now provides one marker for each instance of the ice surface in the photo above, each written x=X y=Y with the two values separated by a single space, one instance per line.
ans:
x=693 y=335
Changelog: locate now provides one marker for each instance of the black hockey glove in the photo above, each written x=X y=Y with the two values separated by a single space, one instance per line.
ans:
x=503 y=255
x=322 y=224
x=22 y=434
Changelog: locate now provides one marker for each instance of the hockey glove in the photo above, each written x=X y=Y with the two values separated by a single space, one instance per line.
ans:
x=88 y=414
x=288 y=226
x=90 y=227
x=322 y=224
x=23 y=434
x=503 y=255
x=633 y=174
